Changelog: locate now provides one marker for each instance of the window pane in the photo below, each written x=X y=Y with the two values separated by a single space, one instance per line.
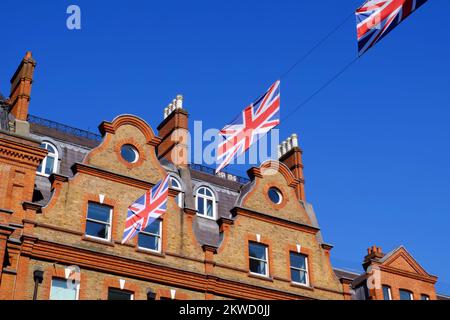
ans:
x=386 y=293
x=424 y=297
x=116 y=294
x=39 y=169
x=209 y=208
x=257 y=251
x=50 y=149
x=208 y=193
x=175 y=183
x=200 y=205
x=179 y=200
x=298 y=276
x=96 y=229
x=154 y=227
x=61 y=291
x=201 y=191
x=147 y=241
x=298 y=260
x=50 y=162
x=257 y=266
x=99 y=212
x=405 y=295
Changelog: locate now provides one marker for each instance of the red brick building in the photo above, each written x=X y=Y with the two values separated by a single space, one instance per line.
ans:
x=64 y=195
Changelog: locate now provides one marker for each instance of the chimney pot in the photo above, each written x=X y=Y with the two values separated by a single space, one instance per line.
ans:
x=289 y=144
x=294 y=140
x=179 y=102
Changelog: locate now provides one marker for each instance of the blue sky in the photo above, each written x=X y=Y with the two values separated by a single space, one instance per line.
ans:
x=376 y=141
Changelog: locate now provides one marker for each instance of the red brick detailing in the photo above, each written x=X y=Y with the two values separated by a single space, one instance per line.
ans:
x=21 y=87
x=267 y=242
x=398 y=271
x=293 y=160
x=131 y=141
x=129 y=286
x=174 y=132
x=111 y=127
x=167 y=294
x=94 y=198
x=305 y=251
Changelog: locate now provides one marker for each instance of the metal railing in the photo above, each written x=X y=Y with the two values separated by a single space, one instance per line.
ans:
x=64 y=128
x=223 y=175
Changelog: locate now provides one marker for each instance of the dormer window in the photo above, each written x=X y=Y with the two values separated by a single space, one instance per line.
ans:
x=206 y=203
x=50 y=163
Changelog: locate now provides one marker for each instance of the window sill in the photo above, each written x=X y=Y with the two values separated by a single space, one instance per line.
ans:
x=151 y=252
x=260 y=277
x=206 y=217
x=98 y=240
x=302 y=286
x=42 y=174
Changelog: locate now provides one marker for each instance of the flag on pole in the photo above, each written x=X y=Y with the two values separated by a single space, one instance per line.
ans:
x=376 y=18
x=146 y=209
x=256 y=120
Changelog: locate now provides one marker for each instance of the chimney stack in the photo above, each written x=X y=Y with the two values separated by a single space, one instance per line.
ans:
x=291 y=155
x=20 y=93
x=373 y=253
x=174 y=133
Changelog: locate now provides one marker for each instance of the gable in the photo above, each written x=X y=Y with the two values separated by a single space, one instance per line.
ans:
x=274 y=175
x=400 y=259
x=127 y=130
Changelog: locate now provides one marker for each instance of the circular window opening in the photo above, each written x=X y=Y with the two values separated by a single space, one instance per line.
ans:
x=275 y=195
x=129 y=153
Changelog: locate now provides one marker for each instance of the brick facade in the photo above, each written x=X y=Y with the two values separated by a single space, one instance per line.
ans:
x=200 y=258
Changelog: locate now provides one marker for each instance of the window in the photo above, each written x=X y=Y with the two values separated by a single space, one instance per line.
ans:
x=424 y=297
x=116 y=294
x=258 y=259
x=150 y=238
x=129 y=153
x=98 y=222
x=206 y=203
x=275 y=195
x=406 y=295
x=299 y=268
x=387 y=293
x=63 y=289
x=177 y=186
x=50 y=163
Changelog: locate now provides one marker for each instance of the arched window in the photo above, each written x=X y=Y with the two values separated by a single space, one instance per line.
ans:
x=50 y=163
x=177 y=186
x=206 y=203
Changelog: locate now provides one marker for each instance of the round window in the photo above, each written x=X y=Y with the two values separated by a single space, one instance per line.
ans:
x=275 y=195
x=129 y=153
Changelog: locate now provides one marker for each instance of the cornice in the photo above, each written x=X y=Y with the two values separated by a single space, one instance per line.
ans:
x=239 y=211
x=104 y=262
x=20 y=152
x=116 y=177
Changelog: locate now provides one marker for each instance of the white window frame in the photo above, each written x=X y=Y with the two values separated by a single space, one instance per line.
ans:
x=266 y=261
x=77 y=288
x=154 y=235
x=108 y=224
x=118 y=289
x=205 y=201
x=44 y=161
x=180 y=197
x=389 y=291
x=411 y=295
x=306 y=270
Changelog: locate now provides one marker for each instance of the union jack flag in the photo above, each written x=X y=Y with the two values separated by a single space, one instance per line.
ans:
x=376 y=18
x=146 y=209
x=256 y=120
